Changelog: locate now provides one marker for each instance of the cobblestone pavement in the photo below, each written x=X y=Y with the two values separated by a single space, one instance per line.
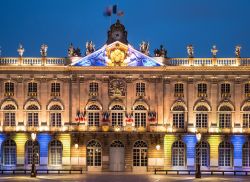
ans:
x=120 y=177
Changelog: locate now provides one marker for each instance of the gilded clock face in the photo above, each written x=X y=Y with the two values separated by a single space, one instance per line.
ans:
x=117 y=35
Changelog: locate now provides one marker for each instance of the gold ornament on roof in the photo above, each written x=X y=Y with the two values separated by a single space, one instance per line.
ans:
x=117 y=55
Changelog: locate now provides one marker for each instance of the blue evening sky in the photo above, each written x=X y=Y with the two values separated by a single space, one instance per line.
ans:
x=173 y=23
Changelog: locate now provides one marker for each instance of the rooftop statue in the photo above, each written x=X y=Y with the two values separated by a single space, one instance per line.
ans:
x=190 y=51
x=71 y=50
x=144 y=48
x=43 y=50
x=214 y=51
x=237 y=51
x=162 y=52
x=90 y=47
x=20 y=50
x=77 y=52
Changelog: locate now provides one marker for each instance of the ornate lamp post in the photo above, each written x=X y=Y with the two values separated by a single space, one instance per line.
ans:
x=33 y=167
x=76 y=147
x=198 y=165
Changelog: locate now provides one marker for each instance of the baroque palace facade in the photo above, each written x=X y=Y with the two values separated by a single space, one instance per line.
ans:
x=118 y=109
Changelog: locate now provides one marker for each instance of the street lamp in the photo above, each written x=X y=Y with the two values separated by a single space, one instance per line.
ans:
x=33 y=167
x=157 y=147
x=198 y=165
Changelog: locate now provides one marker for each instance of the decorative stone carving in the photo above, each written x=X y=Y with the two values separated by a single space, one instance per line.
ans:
x=43 y=50
x=20 y=50
x=144 y=48
x=214 y=51
x=237 y=51
x=162 y=52
x=90 y=47
x=117 y=88
x=190 y=51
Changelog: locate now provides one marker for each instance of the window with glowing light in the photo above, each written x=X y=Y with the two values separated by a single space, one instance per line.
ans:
x=9 y=115
x=178 y=154
x=140 y=114
x=225 y=117
x=201 y=117
x=29 y=152
x=93 y=115
x=94 y=153
x=117 y=115
x=225 y=154
x=9 y=153
x=140 y=154
x=55 y=152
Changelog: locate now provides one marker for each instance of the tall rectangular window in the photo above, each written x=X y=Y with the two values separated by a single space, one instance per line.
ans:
x=55 y=89
x=178 y=120
x=32 y=89
x=140 y=89
x=179 y=90
x=9 y=89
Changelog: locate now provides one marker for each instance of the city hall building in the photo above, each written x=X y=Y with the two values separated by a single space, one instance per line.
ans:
x=119 y=109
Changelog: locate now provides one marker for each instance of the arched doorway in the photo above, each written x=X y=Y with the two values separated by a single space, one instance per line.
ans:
x=140 y=156
x=116 y=154
x=94 y=156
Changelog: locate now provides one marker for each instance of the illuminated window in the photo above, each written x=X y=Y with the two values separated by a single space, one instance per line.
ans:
x=9 y=153
x=140 y=154
x=9 y=88
x=55 y=152
x=246 y=155
x=178 y=153
x=225 y=154
x=93 y=115
x=56 y=116
x=225 y=117
x=55 y=89
x=179 y=90
x=201 y=117
x=94 y=153
x=9 y=115
x=178 y=117
x=202 y=89
x=246 y=117
x=117 y=114
x=32 y=115
x=140 y=89
x=29 y=152
x=204 y=153
x=225 y=90
x=140 y=116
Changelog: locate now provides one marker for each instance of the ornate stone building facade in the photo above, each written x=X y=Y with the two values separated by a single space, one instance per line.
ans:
x=118 y=109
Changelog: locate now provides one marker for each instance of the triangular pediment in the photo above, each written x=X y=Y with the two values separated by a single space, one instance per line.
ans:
x=116 y=54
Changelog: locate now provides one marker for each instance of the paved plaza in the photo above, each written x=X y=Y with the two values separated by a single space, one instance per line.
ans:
x=120 y=177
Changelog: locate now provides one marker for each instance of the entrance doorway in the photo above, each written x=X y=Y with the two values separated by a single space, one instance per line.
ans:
x=116 y=154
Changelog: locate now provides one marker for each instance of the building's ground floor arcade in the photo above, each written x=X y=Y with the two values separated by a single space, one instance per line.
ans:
x=113 y=151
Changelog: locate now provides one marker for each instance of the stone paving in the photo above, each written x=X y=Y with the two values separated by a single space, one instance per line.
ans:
x=120 y=177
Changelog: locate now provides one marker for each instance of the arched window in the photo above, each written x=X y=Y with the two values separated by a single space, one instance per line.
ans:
x=94 y=153
x=178 y=153
x=140 y=116
x=117 y=143
x=140 y=89
x=140 y=154
x=56 y=116
x=178 y=116
x=32 y=115
x=9 y=152
x=9 y=89
x=201 y=117
x=117 y=114
x=246 y=154
x=204 y=153
x=93 y=115
x=9 y=115
x=202 y=89
x=55 y=152
x=246 y=117
x=32 y=89
x=225 y=117
x=225 y=154
x=29 y=152
x=179 y=90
